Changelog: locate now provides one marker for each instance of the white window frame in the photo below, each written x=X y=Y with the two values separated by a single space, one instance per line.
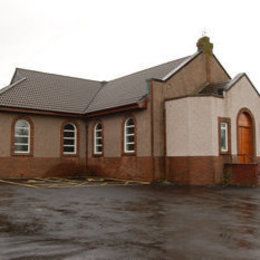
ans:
x=70 y=138
x=96 y=138
x=28 y=144
x=126 y=150
x=224 y=126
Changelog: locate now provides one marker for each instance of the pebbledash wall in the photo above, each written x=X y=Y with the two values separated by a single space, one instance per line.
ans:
x=172 y=137
x=197 y=74
x=192 y=133
x=46 y=158
x=148 y=163
x=114 y=162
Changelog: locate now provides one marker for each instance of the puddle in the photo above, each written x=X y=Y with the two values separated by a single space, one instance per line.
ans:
x=129 y=222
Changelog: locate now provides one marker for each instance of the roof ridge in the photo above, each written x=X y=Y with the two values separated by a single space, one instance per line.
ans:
x=43 y=90
x=168 y=65
x=235 y=80
x=5 y=89
x=152 y=67
x=101 y=81
x=59 y=75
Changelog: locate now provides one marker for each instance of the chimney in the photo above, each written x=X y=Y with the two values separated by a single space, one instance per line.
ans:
x=204 y=45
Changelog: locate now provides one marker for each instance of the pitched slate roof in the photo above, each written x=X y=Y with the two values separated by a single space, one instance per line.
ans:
x=218 y=89
x=214 y=89
x=132 y=88
x=49 y=92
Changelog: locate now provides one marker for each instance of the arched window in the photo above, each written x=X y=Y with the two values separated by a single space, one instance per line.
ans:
x=69 y=139
x=98 y=139
x=22 y=137
x=129 y=136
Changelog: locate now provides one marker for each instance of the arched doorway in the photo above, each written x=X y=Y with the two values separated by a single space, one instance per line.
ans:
x=245 y=132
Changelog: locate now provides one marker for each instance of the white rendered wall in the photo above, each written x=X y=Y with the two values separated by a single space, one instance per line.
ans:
x=240 y=96
x=190 y=126
x=192 y=122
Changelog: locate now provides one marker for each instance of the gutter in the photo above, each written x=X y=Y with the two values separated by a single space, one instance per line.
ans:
x=142 y=104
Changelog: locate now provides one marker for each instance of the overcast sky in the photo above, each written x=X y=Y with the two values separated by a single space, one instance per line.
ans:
x=106 y=39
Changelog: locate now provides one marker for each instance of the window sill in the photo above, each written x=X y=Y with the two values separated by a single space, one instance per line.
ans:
x=97 y=155
x=225 y=153
x=70 y=155
x=22 y=154
x=129 y=154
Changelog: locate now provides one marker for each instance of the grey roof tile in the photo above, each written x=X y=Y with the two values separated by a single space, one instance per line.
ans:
x=49 y=92
x=130 y=89
x=214 y=89
x=218 y=89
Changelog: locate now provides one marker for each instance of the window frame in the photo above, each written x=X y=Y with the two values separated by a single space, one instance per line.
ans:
x=224 y=128
x=29 y=152
x=75 y=138
x=227 y=122
x=28 y=144
x=125 y=135
x=95 y=138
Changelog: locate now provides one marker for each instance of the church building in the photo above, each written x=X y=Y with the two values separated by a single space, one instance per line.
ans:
x=185 y=121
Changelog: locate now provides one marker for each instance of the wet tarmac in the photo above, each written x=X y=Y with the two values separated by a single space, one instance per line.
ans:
x=129 y=222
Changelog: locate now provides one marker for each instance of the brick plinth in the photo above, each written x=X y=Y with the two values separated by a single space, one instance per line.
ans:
x=241 y=174
x=128 y=167
x=195 y=170
x=28 y=167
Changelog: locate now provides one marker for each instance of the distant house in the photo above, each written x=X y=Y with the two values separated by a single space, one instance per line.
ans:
x=184 y=121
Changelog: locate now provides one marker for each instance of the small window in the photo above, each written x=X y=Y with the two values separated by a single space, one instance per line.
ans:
x=98 y=139
x=69 y=139
x=224 y=137
x=129 y=136
x=22 y=137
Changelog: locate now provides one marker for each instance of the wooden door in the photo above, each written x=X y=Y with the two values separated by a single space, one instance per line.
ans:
x=245 y=138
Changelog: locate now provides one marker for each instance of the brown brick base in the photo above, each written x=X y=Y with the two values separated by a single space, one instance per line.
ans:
x=199 y=170
x=128 y=167
x=159 y=168
x=27 y=167
x=181 y=170
x=206 y=170
x=242 y=174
